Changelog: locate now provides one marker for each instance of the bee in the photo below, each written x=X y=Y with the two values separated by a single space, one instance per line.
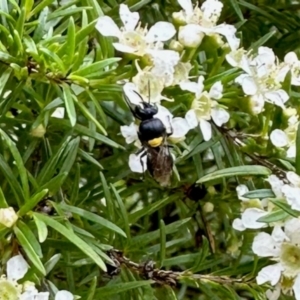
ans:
x=153 y=135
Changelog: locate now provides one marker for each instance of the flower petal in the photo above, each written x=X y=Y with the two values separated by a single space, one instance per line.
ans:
x=220 y=116
x=129 y=133
x=270 y=274
x=278 y=97
x=191 y=118
x=107 y=27
x=276 y=185
x=180 y=128
x=241 y=190
x=135 y=163
x=229 y=32
x=250 y=217
x=279 y=138
x=248 y=84
x=59 y=113
x=131 y=92
x=64 y=295
x=216 y=91
x=291 y=58
x=129 y=19
x=206 y=130
x=296 y=287
x=186 y=5
x=264 y=245
x=16 y=267
x=237 y=224
x=291 y=152
x=124 y=48
x=160 y=32
x=190 y=35
x=293 y=178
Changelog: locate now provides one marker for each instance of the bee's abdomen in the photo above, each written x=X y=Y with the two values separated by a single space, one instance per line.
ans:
x=151 y=129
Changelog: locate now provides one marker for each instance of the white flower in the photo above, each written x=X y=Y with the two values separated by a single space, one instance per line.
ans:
x=291 y=63
x=283 y=247
x=16 y=268
x=8 y=216
x=278 y=138
x=292 y=191
x=30 y=292
x=145 y=87
x=204 y=107
x=64 y=295
x=132 y=38
x=199 y=22
x=260 y=81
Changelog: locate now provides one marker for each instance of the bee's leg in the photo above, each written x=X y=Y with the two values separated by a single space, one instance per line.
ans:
x=171 y=132
x=141 y=161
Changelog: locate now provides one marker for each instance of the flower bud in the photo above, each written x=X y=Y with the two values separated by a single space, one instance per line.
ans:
x=38 y=131
x=8 y=216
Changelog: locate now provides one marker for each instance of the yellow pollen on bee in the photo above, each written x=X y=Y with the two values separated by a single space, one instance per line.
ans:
x=156 y=142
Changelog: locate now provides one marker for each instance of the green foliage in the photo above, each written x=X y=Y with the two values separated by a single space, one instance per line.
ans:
x=76 y=167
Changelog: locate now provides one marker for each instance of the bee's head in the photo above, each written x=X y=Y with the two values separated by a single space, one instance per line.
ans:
x=146 y=111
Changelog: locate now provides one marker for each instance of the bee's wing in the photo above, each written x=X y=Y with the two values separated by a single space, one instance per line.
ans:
x=160 y=164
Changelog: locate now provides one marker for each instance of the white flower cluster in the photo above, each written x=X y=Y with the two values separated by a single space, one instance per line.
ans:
x=10 y=289
x=262 y=77
x=283 y=244
x=164 y=68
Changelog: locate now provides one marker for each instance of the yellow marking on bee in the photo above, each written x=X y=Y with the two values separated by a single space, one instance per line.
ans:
x=156 y=142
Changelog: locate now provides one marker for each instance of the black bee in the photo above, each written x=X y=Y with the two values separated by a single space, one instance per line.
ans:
x=153 y=135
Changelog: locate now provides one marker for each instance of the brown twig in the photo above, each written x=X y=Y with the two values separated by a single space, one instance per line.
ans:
x=164 y=277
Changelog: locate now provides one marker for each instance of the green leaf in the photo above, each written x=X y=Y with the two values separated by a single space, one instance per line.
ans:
x=97 y=68
x=123 y=211
x=39 y=7
x=68 y=48
x=114 y=289
x=274 y=216
x=54 y=57
x=13 y=182
x=92 y=217
x=86 y=156
x=42 y=230
x=89 y=116
x=50 y=264
x=261 y=194
x=31 y=238
x=7 y=58
x=237 y=9
x=28 y=249
x=286 y=207
x=262 y=40
x=19 y=163
x=4 y=79
x=108 y=198
x=92 y=289
x=69 y=102
x=73 y=238
x=236 y=171
x=162 y=252
x=66 y=12
x=32 y=202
